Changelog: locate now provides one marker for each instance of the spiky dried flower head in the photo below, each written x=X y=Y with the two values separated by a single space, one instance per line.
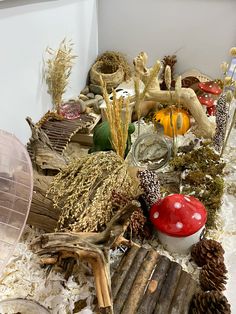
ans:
x=224 y=67
x=168 y=77
x=233 y=51
x=221 y=122
x=150 y=185
x=84 y=189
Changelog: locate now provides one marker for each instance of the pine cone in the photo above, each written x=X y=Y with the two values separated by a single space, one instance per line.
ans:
x=212 y=276
x=206 y=251
x=212 y=302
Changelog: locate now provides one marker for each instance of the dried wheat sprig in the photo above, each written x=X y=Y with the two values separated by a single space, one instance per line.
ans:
x=118 y=125
x=58 y=70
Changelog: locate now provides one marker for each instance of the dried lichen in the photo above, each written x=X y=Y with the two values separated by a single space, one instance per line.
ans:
x=83 y=191
x=203 y=179
x=112 y=60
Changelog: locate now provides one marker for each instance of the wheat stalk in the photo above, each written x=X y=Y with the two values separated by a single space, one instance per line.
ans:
x=118 y=125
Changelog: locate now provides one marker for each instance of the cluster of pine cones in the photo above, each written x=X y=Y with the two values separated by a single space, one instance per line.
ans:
x=209 y=255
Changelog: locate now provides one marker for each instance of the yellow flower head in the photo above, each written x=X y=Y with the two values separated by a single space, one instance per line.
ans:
x=233 y=51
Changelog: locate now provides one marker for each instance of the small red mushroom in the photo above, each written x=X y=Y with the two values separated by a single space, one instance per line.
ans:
x=178 y=215
x=210 y=87
x=211 y=111
x=206 y=100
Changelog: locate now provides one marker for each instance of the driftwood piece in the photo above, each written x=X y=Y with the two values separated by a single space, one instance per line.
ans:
x=186 y=97
x=43 y=154
x=92 y=247
x=42 y=214
x=159 y=286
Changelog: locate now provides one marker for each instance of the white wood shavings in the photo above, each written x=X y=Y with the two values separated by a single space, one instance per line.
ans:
x=25 y=278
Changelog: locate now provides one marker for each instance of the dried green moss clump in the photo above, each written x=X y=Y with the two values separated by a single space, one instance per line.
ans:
x=84 y=190
x=112 y=60
x=203 y=172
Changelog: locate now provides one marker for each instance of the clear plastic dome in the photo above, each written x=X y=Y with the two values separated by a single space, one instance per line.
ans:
x=16 y=187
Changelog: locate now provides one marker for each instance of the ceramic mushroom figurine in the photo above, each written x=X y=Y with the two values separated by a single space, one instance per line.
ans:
x=207 y=101
x=211 y=89
x=179 y=220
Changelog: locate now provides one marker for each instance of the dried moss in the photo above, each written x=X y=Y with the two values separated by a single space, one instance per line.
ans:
x=203 y=179
x=111 y=61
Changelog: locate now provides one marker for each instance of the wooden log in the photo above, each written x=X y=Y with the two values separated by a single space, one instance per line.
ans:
x=191 y=290
x=128 y=282
x=140 y=283
x=122 y=270
x=178 y=300
x=168 y=289
x=150 y=297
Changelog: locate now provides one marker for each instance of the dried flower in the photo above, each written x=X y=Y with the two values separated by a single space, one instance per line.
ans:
x=57 y=73
x=150 y=185
x=84 y=191
x=224 y=67
x=229 y=96
x=168 y=77
x=233 y=51
x=221 y=122
x=118 y=122
x=227 y=80
x=178 y=86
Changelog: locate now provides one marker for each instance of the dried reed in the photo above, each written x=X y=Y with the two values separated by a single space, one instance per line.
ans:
x=58 y=69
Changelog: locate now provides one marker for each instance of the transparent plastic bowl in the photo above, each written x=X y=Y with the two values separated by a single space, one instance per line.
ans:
x=16 y=187
x=151 y=151
x=21 y=306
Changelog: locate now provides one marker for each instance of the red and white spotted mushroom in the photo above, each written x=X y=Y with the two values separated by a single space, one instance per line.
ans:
x=179 y=220
x=207 y=98
x=210 y=87
x=207 y=101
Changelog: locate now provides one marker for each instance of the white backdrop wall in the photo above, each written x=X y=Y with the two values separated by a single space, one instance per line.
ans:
x=26 y=29
x=200 y=32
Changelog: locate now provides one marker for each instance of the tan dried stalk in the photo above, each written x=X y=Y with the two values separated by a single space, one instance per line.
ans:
x=58 y=70
x=118 y=124
x=137 y=100
x=168 y=85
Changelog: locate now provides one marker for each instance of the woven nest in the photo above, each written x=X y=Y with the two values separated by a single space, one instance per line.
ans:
x=111 y=77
